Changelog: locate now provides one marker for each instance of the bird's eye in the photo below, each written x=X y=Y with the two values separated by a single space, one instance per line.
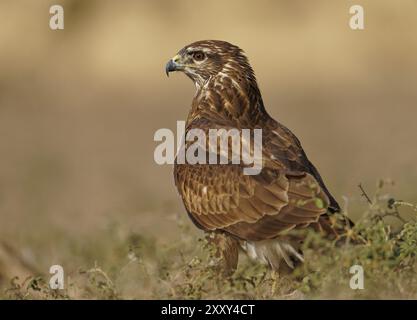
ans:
x=198 y=56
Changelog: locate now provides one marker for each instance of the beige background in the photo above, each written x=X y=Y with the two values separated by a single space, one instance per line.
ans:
x=79 y=107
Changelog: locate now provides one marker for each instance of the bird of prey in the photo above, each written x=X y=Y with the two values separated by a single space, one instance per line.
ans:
x=253 y=213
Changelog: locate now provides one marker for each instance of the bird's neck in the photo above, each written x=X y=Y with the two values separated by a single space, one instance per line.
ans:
x=233 y=100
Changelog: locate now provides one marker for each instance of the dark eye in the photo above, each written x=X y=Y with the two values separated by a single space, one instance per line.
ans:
x=198 y=56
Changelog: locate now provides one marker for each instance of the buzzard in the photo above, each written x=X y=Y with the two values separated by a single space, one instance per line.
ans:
x=253 y=213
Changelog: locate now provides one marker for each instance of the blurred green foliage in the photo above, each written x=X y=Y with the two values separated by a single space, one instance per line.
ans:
x=134 y=266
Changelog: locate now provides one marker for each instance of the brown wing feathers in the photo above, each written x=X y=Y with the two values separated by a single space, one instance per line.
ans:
x=221 y=197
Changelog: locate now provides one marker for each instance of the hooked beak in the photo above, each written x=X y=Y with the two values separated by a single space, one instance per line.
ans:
x=172 y=65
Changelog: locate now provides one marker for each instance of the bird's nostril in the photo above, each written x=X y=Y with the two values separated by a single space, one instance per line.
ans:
x=176 y=59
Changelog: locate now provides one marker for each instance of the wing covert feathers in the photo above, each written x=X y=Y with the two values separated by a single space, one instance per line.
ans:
x=221 y=197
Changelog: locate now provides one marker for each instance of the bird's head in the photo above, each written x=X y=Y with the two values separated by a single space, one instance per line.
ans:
x=209 y=58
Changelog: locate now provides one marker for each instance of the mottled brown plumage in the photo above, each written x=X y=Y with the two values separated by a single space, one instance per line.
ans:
x=253 y=212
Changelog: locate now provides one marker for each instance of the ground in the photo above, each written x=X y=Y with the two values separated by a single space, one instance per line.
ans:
x=126 y=265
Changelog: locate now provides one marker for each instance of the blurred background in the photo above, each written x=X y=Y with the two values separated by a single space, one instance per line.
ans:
x=79 y=107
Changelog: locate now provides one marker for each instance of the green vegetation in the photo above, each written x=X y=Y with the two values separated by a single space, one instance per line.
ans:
x=123 y=265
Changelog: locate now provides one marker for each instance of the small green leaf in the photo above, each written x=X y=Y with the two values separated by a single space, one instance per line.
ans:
x=319 y=203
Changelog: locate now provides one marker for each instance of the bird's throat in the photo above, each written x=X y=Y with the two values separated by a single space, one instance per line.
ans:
x=228 y=99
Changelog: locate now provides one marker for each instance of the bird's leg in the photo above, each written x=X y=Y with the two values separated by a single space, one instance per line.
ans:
x=226 y=250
